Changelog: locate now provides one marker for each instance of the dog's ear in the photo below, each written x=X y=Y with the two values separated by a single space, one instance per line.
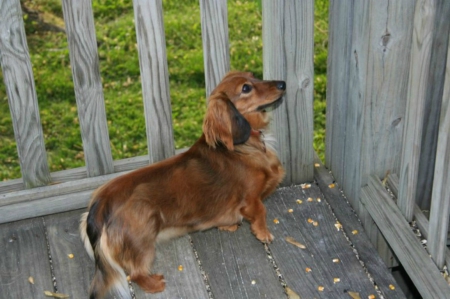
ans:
x=224 y=124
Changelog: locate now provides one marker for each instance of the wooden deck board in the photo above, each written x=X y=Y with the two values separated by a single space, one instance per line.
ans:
x=414 y=258
x=73 y=275
x=347 y=217
x=24 y=254
x=233 y=260
x=187 y=283
x=236 y=264
x=323 y=243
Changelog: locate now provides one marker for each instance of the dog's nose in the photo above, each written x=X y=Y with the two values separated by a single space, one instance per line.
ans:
x=281 y=85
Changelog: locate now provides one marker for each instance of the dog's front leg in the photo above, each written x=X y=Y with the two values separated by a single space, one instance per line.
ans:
x=255 y=213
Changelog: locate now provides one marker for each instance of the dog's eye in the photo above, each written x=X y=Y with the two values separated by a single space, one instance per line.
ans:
x=246 y=88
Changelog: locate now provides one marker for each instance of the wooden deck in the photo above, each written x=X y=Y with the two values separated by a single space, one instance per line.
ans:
x=217 y=264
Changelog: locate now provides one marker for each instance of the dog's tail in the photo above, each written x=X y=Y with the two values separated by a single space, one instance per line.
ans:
x=84 y=235
x=109 y=275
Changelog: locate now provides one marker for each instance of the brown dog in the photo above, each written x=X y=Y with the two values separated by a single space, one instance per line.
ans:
x=220 y=180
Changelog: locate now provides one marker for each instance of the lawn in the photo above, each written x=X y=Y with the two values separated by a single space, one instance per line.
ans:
x=119 y=68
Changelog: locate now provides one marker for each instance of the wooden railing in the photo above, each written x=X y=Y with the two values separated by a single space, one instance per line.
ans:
x=388 y=111
x=288 y=55
x=388 y=124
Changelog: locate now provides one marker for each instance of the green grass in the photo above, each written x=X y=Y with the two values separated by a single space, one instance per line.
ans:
x=119 y=68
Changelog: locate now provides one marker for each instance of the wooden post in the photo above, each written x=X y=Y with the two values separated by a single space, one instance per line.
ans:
x=440 y=203
x=418 y=78
x=79 y=20
x=151 y=39
x=338 y=72
x=19 y=81
x=288 y=29
x=367 y=90
x=432 y=108
x=216 y=51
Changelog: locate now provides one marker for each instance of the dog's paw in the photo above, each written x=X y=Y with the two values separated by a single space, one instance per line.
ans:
x=264 y=236
x=230 y=228
x=154 y=283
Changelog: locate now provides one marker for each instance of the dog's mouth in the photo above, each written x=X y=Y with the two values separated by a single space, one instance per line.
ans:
x=270 y=106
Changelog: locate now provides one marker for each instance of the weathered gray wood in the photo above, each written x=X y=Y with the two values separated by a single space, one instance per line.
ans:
x=418 y=77
x=440 y=203
x=288 y=36
x=385 y=87
x=45 y=206
x=69 y=175
x=232 y=261
x=73 y=274
x=420 y=218
x=432 y=108
x=356 y=97
x=367 y=95
x=79 y=21
x=377 y=92
x=55 y=190
x=323 y=243
x=216 y=50
x=60 y=197
x=366 y=251
x=23 y=255
x=155 y=78
x=18 y=76
x=187 y=283
x=339 y=54
x=419 y=266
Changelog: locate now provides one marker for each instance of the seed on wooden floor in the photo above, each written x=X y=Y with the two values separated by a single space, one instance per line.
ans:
x=305 y=186
x=55 y=295
x=180 y=268
x=31 y=279
x=290 y=210
x=70 y=255
x=354 y=295
x=335 y=260
x=293 y=242
x=316 y=165
x=310 y=220
x=310 y=199
x=128 y=278
x=331 y=185
x=276 y=221
x=291 y=294
x=354 y=231
x=338 y=225
x=299 y=201
x=315 y=223
x=336 y=280
x=307 y=270
x=320 y=288
x=392 y=287
x=371 y=296
x=253 y=282
x=318 y=199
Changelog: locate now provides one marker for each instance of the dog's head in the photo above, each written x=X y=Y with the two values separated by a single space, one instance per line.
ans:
x=238 y=105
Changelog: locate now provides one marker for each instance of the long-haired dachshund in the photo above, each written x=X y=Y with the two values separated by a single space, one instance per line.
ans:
x=220 y=180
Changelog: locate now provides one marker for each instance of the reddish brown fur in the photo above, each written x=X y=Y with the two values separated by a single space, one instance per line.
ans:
x=215 y=183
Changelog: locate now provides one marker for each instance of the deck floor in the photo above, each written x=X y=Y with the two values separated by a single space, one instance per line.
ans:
x=217 y=264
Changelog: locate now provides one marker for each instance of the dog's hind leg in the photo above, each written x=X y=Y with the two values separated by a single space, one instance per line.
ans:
x=150 y=283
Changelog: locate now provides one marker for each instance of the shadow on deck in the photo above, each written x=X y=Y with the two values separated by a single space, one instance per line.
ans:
x=337 y=257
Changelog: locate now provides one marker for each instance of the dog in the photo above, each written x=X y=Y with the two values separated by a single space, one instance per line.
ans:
x=221 y=180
